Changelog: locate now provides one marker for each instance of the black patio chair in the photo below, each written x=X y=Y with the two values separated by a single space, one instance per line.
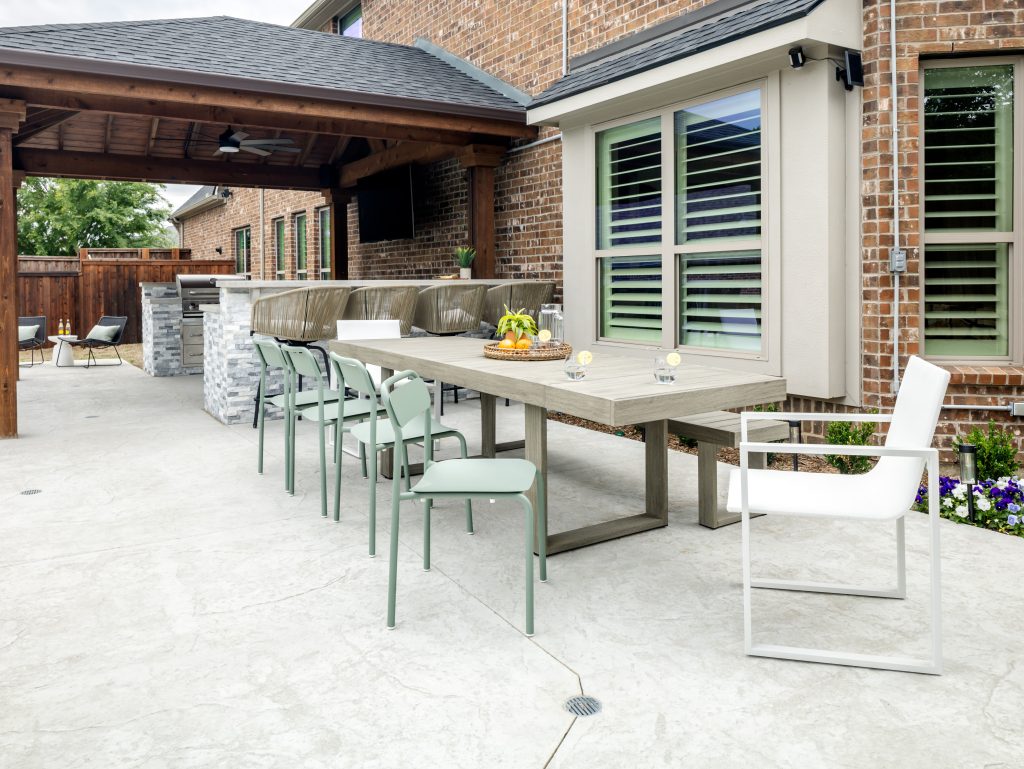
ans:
x=37 y=341
x=97 y=341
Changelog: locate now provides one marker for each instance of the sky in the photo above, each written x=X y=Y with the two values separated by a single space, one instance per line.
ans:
x=14 y=13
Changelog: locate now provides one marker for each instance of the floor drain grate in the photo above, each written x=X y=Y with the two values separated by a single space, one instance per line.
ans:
x=28 y=492
x=92 y=416
x=583 y=706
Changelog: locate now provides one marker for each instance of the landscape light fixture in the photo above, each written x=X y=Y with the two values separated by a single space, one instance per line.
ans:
x=796 y=57
x=851 y=72
x=969 y=473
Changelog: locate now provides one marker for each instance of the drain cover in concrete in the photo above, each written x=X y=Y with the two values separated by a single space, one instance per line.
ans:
x=28 y=492
x=583 y=706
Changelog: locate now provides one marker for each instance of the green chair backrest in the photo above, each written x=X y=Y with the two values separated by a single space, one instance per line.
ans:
x=403 y=404
x=269 y=353
x=303 y=363
x=352 y=374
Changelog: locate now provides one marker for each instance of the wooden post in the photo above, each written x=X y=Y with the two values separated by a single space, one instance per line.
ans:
x=12 y=113
x=339 y=200
x=480 y=162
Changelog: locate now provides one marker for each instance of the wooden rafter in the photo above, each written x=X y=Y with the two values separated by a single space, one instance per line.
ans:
x=397 y=156
x=93 y=165
x=154 y=126
x=377 y=145
x=300 y=158
x=106 y=133
x=40 y=121
x=339 y=148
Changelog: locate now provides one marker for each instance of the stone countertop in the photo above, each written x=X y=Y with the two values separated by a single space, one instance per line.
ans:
x=252 y=285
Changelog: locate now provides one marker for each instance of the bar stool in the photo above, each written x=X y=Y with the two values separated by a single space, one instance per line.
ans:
x=383 y=303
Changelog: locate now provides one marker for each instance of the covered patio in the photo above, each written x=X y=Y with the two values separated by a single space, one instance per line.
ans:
x=165 y=606
x=146 y=101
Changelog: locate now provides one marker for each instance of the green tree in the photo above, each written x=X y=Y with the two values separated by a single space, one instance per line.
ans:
x=56 y=217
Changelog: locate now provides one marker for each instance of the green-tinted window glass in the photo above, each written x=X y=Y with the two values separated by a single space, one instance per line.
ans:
x=351 y=24
x=718 y=169
x=279 y=246
x=968 y=149
x=720 y=300
x=324 y=222
x=965 y=300
x=242 y=250
x=629 y=185
x=631 y=298
x=300 y=245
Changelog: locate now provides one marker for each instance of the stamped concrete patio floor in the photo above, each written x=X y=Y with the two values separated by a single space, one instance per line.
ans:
x=162 y=605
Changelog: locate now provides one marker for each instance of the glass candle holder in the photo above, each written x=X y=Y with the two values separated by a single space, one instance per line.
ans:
x=666 y=368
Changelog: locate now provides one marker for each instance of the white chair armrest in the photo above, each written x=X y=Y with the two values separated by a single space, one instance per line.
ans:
x=793 y=416
x=824 y=448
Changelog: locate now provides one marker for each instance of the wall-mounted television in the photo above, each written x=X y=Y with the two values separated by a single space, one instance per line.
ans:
x=386 y=206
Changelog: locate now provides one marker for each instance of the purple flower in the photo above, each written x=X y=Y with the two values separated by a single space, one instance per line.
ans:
x=1012 y=520
x=1013 y=508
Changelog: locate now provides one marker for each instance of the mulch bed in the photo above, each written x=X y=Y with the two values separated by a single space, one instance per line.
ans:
x=812 y=464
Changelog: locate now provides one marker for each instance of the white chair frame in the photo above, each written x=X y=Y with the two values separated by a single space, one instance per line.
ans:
x=931 y=665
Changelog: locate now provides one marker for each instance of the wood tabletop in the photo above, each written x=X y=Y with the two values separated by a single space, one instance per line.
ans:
x=618 y=390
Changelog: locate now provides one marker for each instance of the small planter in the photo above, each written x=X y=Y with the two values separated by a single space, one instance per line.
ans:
x=465 y=273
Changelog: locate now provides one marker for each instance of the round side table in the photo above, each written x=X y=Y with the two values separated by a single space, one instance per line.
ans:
x=63 y=354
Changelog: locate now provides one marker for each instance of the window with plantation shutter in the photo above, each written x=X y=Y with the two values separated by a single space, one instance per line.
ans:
x=243 y=253
x=300 y=246
x=279 y=247
x=323 y=218
x=718 y=169
x=720 y=300
x=968 y=124
x=631 y=307
x=629 y=185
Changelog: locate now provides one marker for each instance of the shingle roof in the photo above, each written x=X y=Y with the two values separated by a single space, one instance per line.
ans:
x=675 y=45
x=228 y=47
x=197 y=197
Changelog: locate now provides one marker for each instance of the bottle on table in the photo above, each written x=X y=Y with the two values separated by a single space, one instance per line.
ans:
x=67 y=327
x=60 y=328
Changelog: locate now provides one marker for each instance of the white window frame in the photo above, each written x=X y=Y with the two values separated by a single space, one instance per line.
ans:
x=769 y=242
x=247 y=257
x=1015 y=268
x=280 y=246
x=301 y=274
x=325 y=272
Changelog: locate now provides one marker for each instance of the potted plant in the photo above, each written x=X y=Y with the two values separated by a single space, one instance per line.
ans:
x=515 y=329
x=465 y=255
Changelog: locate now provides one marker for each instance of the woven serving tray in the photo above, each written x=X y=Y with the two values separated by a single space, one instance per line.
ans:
x=537 y=352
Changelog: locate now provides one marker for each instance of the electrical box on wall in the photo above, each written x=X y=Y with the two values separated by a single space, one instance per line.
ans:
x=897 y=260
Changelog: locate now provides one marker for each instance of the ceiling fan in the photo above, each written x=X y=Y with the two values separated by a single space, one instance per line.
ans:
x=232 y=141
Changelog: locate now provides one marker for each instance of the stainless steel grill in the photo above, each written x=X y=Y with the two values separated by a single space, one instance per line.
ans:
x=194 y=292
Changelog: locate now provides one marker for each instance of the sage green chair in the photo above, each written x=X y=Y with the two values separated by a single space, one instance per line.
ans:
x=301 y=362
x=407 y=402
x=375 y=435
x=270 y=356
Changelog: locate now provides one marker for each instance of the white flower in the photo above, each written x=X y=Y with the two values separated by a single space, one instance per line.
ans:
x=961 y=510
x=947 y=502
x=983 y=504
x=1002 y=484
x=960 y=491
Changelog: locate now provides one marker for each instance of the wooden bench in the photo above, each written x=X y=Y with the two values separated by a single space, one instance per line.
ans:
x=712 y=430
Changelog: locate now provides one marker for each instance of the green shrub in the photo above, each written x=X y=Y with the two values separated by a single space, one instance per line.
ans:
x=997 y=454
x=849 y=434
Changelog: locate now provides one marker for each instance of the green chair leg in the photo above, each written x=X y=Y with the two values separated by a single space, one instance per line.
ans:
x=469 y=502
x=338 y=432
x=528 y=508
x=542 y=520
x=373 y=501
x=393 y=565
x=362 y=458
x=427 y=504
x=323 y=469
x=260 y=419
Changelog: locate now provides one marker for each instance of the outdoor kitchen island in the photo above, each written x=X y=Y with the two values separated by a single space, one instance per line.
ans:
x=231 y=371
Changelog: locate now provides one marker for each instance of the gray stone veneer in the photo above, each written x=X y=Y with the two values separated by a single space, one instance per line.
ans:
x=161 y=331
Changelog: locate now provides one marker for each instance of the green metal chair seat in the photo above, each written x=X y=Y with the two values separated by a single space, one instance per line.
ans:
x=411 y=433
x=302 y=399
x=477 y=476
x=357 y=408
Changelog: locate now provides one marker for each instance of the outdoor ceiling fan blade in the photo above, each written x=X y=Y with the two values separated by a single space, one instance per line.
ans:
x=285 y=149
x=254 y=150
x=274 y=142
x=238 y=136
x=217 y=152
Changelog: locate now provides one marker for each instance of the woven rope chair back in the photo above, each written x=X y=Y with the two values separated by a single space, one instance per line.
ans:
x=302 y=314
x=384 y=303
x=517 y=295
x=453 y=309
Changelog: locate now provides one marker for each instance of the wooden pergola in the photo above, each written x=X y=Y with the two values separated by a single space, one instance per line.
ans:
x=141 y=125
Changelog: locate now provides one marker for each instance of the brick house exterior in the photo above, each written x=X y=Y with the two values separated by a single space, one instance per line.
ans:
x=521 y=44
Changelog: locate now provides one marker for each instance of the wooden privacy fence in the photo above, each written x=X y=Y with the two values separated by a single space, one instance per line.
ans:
x=103 y=287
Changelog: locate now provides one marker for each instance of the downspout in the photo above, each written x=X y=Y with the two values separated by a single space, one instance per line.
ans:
x=565 y=37
x=263 y=255
x=897 y=257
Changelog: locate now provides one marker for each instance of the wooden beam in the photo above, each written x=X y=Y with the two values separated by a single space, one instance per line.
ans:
x=93 y=165
x=377 y=145
x=339 y=148
x=338 y=200
x=42 y=120
x=154 y=126
x=480 y=202
x=266 y=158
x=8 y=290
x=106 y=134
x=399 y=155
x=300 y=158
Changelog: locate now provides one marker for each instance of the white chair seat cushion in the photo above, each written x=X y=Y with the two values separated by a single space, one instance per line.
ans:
x=777 y=492
x=411 y=432
x=477 y=476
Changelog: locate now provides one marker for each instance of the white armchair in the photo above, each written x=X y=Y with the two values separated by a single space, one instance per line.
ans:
x=885 y=493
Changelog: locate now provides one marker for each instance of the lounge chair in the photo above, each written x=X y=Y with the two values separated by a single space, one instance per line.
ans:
x=32 y=336
x=106 y=334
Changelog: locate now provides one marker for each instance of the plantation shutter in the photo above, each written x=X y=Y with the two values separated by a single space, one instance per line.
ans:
x=968 y=156
x=279 y=246
x=324 y=220
x=242 y=251
x=631 y=298
x=965 y=304
x=629 y=185
x=720 y=300
x=718 y=169
x=300 y=244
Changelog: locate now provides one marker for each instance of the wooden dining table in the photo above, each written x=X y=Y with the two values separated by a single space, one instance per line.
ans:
x=619 y=389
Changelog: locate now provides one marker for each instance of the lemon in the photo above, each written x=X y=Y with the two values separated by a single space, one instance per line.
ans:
x=673 y=359
x=584 y=358
x=544 y=335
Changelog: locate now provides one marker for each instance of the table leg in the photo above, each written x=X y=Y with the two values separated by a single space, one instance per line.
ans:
x=537 y=452
x=488 y=425
x=656 y=472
